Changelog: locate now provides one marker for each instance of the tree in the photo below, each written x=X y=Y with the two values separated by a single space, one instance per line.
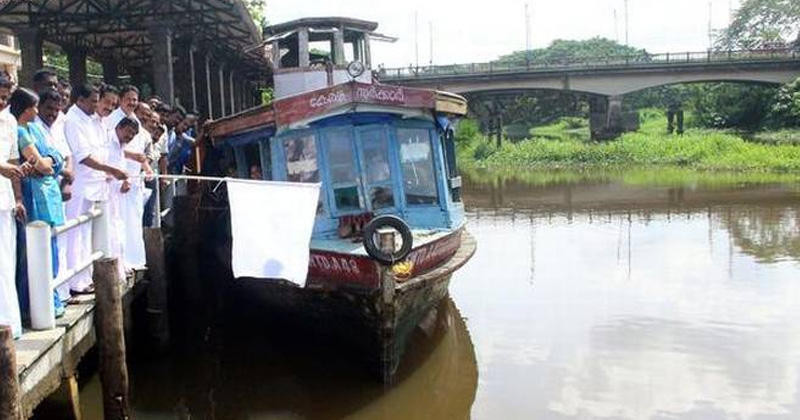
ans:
x=562 y=51
x=762 y=23
x=258 y=10
x=785 y=110
x=730 y=105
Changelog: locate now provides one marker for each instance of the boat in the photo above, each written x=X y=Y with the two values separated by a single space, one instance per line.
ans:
x=390 y=227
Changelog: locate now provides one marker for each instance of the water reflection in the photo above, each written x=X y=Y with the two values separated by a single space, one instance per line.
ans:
x=616 y=301
x=245 y=373
x=771 y=235
x=611 y=296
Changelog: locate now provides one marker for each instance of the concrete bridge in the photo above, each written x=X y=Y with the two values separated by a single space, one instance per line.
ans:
x=608 y=78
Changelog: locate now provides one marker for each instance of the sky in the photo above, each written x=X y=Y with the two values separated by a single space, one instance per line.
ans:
x=472 y=31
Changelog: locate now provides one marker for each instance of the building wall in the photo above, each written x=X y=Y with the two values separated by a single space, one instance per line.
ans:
x=9 y=55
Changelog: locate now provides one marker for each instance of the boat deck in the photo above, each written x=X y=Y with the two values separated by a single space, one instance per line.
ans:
x=467 y=249
x=421 y=237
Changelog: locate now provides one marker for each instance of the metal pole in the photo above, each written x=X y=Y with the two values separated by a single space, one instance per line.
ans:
x=430 y=29
x=710 y=29
x=527 y=38
x=40 y=275
x=416 y=41
x=157 y=192
x=101 y=229
x=193 y=76
x=627 y=23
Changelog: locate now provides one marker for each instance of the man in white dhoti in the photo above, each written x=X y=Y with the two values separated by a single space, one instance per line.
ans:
x=89 y=145
x=136 y=162
x=10 y=206
x=124 y=131
x=51 y=120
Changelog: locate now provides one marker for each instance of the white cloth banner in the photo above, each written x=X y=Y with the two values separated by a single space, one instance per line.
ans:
x=271 y=225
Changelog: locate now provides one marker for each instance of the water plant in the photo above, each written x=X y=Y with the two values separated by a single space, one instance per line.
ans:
x=697 y=149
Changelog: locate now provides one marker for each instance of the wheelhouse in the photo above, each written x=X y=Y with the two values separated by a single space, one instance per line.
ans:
x=369 y=164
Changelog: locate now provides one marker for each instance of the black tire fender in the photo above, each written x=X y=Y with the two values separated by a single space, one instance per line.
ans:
x=374 y=251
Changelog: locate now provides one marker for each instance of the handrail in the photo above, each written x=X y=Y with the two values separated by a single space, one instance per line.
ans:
x=643 y=59
x=80 y=220
x=72 y=272
x=41 y=281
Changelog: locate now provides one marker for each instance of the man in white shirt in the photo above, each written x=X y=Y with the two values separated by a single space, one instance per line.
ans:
x=132 y=203
x=10 y=207
x=109 y=101
x=89 y=145
x=52 y=123
x=124 y=131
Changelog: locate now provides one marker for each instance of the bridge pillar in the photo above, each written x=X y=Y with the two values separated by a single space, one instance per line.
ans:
x=607 y=121
x=614 y=121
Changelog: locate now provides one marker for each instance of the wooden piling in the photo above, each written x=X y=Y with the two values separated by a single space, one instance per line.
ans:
x=157 y=290
x=111 y=340
x=72 y=393
x=9 y=381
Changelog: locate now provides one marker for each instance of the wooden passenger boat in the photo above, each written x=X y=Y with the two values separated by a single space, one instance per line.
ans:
x=385 y=157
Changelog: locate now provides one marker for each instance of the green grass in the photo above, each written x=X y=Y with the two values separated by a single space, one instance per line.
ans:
x=651 y=146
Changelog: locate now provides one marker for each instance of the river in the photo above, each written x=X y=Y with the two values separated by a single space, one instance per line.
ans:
x=590 y=297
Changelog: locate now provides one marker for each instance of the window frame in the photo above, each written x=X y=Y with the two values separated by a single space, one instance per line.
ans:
x=328 y=171
x=392 y=182
x=439 y=202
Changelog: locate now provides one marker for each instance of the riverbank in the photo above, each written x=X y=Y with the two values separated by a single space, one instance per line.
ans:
x=697 y=149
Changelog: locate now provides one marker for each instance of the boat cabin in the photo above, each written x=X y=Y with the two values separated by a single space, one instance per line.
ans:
x=376 y=149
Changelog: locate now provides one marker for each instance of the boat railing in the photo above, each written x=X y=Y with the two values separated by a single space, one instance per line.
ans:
x=548 y=64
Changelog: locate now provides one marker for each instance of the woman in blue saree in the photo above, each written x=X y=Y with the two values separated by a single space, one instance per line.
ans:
x=41 y=192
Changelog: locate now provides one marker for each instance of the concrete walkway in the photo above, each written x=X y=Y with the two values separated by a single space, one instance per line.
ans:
x=46 y=358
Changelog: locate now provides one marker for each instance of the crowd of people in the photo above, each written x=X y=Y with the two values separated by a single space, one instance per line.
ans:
x=64 y=148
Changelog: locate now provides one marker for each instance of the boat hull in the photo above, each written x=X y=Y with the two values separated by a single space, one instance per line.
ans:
x=376 y=324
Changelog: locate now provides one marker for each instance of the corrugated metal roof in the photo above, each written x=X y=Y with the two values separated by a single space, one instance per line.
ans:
x=120 y=28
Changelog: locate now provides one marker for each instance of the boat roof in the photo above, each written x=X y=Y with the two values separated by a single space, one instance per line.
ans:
x=322 y=103
x=320 y=22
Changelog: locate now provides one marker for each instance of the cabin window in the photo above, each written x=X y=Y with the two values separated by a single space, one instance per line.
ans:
x=377 y=172
x=416 y=160
x=252 y=154
x=301 y=159
x=228 y=163
x=265 y=155
x=342 y=163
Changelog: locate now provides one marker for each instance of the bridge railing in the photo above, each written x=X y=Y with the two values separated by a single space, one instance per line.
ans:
x=596 y=62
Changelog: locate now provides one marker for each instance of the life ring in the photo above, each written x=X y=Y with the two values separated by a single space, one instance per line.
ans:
x=374 y=250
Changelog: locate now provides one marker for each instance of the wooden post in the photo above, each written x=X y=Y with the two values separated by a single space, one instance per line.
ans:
x=111 y=340
x=72 y=392
x=157 y=302
x=9 y=381
x=389 y=358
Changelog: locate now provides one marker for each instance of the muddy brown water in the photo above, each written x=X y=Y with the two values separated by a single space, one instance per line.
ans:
x=585 y=300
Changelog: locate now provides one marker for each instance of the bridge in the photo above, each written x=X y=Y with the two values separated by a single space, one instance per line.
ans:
x=608 y=78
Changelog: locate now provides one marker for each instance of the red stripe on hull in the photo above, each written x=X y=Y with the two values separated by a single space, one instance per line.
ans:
x=332 y=270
